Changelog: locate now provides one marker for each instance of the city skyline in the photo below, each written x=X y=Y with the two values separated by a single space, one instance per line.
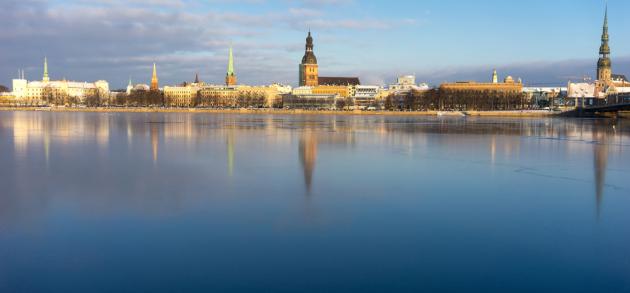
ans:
x=266 y=55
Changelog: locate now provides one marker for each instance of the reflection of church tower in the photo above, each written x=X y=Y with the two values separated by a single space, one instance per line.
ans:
x=600 y=161
x=230 y=153
x=308 y=68
x=308 y=156
x=230 y=77
x=154 y=80
x=604 y=65
x=155 y=141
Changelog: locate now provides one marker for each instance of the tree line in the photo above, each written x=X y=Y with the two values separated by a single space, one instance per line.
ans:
x=457 y=100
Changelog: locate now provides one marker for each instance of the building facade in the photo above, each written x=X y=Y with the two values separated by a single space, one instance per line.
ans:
x=508 y=86
x=56 y=92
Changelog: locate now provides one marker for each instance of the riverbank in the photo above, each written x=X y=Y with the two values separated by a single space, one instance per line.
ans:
x=285 y=111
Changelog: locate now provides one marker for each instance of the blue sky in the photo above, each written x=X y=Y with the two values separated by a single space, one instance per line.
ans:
x=540 y=41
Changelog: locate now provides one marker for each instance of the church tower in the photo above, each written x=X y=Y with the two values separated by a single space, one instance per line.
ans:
x=230 y=77
x=308 y=68
x=45 y=78
x=129 y=87
x=604 y=65
x=154 y=80
x=495 y=77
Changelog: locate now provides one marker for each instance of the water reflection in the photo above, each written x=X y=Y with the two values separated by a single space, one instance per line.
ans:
x=308 y=156
x=187 y=146
x=155 y=141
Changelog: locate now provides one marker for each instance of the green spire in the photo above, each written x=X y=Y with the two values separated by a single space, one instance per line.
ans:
x=46 y=78
x=230 y=70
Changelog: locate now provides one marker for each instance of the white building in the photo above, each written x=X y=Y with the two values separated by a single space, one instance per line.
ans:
x=365 y=95
x=408 y=83
x=44 y=91
x=302 y=90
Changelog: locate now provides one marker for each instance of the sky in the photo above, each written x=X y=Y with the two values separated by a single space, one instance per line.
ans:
x=544 y=42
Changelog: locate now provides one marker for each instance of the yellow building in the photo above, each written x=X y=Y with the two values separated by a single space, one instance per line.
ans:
x=343 y=91
x=240 y=96
x=507 y=86
x=181 y=96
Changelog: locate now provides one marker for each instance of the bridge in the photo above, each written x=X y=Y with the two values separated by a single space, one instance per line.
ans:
x=612 y=106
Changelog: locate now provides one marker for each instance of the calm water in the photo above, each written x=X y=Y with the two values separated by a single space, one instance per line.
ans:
x=94 y=202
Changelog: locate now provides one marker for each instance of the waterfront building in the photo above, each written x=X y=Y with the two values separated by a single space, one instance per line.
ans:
x=582 y=94
x=59 y=92
x=508 y=86
x=407 y=83
x=341 y=90
x=542 y=97
x=365 y=96
x=154 y=80
x=311 y=101
x=302 y=90
x=180 y=96
x=230 y=77
x=241 y=96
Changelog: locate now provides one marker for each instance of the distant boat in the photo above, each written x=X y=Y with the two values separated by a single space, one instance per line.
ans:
x=452 y=113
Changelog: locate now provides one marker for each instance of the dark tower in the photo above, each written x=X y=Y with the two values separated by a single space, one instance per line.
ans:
x=308 y=68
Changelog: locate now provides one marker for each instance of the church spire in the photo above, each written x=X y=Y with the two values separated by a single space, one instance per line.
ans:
x=230 y=77
x=154 y=79
x=495 y=77
x=46 y=78
x=129 y=86
x=604 y=64
x=230 y=70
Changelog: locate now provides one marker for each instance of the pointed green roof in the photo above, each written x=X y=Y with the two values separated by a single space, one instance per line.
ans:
x=230 y=70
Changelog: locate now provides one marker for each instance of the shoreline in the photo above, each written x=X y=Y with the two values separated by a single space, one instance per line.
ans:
x=509 y=114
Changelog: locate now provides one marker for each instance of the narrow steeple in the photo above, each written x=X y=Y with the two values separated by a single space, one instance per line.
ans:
x=604 y=64
x=230 y=77
x=495 y=77
x=129 y=86
x=196 y=77
x=154 y=79
x=46 y=78
x=230 y=70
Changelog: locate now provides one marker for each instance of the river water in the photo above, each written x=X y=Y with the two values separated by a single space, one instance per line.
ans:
x=152 y=202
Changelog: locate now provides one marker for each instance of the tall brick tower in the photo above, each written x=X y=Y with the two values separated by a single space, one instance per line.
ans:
x=309 y=75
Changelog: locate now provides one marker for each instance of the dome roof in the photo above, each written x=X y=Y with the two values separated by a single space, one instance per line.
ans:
x=141 y=87
x=604 y=62
x=309 y=58
x=509 y=79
